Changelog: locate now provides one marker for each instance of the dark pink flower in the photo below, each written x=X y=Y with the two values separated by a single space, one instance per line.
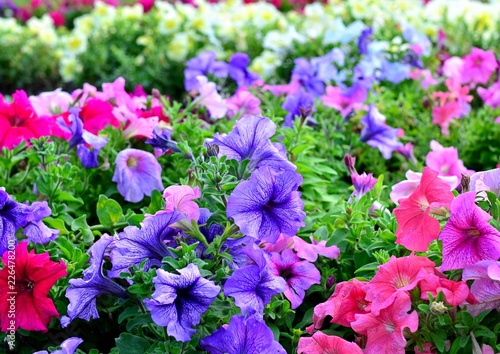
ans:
x=455 y=292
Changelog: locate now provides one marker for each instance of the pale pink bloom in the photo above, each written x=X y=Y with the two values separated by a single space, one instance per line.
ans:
x=405 y=188
x=135 y=125
x=486 y=286
x=345 y=101
x=425 y=77
x=486 y=349
x=243 y=102
x=452 y=68
x=51 y=103
x=283 y=242
x=320 y=343
x=397 y=276
x=210 y=98
x=84 y=94
x=445 y=161
x=385 y=330
x=491 y=95
x=288 y=89
x=478 y=66
x=181 y=198
x=486 y=181
x=310 y=251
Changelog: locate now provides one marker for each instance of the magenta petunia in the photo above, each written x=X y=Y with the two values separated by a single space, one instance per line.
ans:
x=478 y=66
x=320 y=343
x=467 y=236
x=445 y=161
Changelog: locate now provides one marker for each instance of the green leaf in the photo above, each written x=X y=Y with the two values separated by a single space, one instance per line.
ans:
x=109 y=211
x=129 y=344
x=157 y=202
x=338 y=236
x=57 y=224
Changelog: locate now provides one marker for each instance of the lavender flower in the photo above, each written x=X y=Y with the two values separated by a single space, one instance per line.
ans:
x=267 y=204
x=325 y=69
x=68 y=346
x=253 y=286
x=377 y=134
x=294 y=103
x=362 y=183
x=486 y=286
x=133 y=245
x=82 y=293
x=395 y=72
x=249 y=336
x=249 y=139
x=204 y=64
x=35 y=229
x=306 y=74
x=137 y=173
x=13 y=215
x=179 y=301
x=299 y=275
x=238 y=71
x=364 y=40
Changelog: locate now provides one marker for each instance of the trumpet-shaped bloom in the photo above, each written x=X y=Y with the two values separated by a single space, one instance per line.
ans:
x=242 y=335
x=204 y=64
x=181 y=198
x=68 y=347
x=249 y=139
x=237 y=70
x=320 y=343
x=293 y=105
x=267 y=205
x=83 y=292
x=416 y=228
x=455 y=292
x=299 y=275
x=35 y=229
x=486 y=181
x=491 y=95
x=362 y=183
x=210 y=98
x=467 y=236
x=244 y=103
x=180 y=300
x=486 y=286
x=385 y=330
x=478 y=66
x=397 y=276
x=51 y=103
x=35 y=274
x=137 y=174
x=13 y=215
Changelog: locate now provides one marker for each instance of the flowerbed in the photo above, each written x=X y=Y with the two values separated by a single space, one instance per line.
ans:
x=197 y=190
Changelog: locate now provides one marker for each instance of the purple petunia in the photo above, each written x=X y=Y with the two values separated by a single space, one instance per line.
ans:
x=253 y=286
x=486 y=286
x=267 y=205
x=293 y=103
x=137 y=174
x=161 y=141
x=204 y=64
x=242 y=335
x=180 y=300
x=364 y=40
x=35 y=229
x=133 y=245
x=362 y=183
x=299 y=275
x=249 y=139
x=467 y=237
x=67 y=347
x=377 y=134
x=82 y=293
x=238 y=71
x=306 y=74
x=13 y=215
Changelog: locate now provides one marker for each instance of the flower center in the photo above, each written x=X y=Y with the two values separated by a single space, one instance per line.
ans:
x=473 y=233
x=401 y=281
x=16 y=121
x=25 y=286
x=132 y=162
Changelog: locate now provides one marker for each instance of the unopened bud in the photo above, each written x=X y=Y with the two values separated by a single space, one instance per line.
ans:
x=438 y=307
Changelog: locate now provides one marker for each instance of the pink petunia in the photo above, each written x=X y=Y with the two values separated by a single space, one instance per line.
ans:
x=486 y=286
x=345 y=101
x=181 y=198
x=51 y=103
x=428 y=348
x=455 y=292
x=310 y=251
x=445 y=161
x=347 y=301
x=210 y=98
x=467 y=236
x=385 y=330
x=416 y=228
x=424 y=76
x=452 y=68
x=443 y=115
x=478 y=66
x=320 y=343
x=243 y=102
x=289 y=89
x=491 y=95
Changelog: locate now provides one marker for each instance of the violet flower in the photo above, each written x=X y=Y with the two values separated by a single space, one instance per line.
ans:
x=13 y=215
x=299 y=275
x=133 y=245
x=180 y=300
x=82 y=293
x=204 y=64
x=486 y=286
x=395 y=72
x=137 y=174
x=249 y=139
x=306 y=74
x=161 y=141
x=486 y=181
x=362 y=183
x=67 y=347
x=293 y=104
x=267 y=205
x=467 y=236
x=377 y=134
x=238 y=71
x=242 y=335
x=35 y=229
x=364 y=40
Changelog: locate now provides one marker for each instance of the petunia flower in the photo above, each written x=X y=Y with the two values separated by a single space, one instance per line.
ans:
x=150 y=242
x=377 y=134
x=416 y=228
x=250 y=139
x=181 y=198
x=267 y=204
x=299 y=275
x=204 y=64
x=320 y=343
x=345 y=100
x=293 y=105
x=242 y=335
x=243 y=103
x=137 y=174
x=35 y=229
x=134 y=124
x=35 y=274
x=180 y=300
x=491 y=95
x=445 y=160
x=478 y=66
x=486 y=286
x=161 y=142
x=486 y=181
x=210 y=98
x=399 y=275
x=13 y=215
x=362 y=183
x=424 y=76
x=467 y=236
x=310 y=251
x=455 y=292
x=305 y=72
x=67 y=347
x=385 y=330
x=83 y=292
x=51 y=103
x=237 y=70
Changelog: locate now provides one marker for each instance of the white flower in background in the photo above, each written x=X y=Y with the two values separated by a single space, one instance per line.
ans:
x=169 y=23
x=264 y=14
x=69 y=66
x=44 y=28
x=103 y=11
x=84 y=24
x=132 y=13
x=179 y=47
x=282 y=42
x=75 y=43
x=10 y=25
x=266 y=63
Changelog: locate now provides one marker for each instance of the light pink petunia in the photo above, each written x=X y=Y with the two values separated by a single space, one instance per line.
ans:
x=478 y=66
x=310 y=251
x=416 y=227
x=443 y=115
x=486 y=286
x=210 y=98
x=486 y=181
x=452 y=68
x=399 y=275
x=385 y=330
x=445 y=161
x=134 y=125
x=467 y=236
x=424 y=76
x=51 y=103
x=320 y=343
x=491 y=95
x=181 y=198
x=345 y=101
x=243 y=102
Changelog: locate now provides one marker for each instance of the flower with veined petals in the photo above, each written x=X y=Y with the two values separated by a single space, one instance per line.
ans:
x=320 y=343
x=486 y=286
x=181 y=198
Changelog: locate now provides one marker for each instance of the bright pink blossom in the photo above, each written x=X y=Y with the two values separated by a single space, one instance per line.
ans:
x=491 y=95
x=428 y=348
x=405 y=188
x=310 y=251
x=443 y=115
x=399 y=275
x=467 y=236
x=345 y=101
x=320 y=343
x=416 y=228
x=455 y=292
x=385 y=330
x=243 y=102
x=478 y=66
x=181 y=198
x=445 y=161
